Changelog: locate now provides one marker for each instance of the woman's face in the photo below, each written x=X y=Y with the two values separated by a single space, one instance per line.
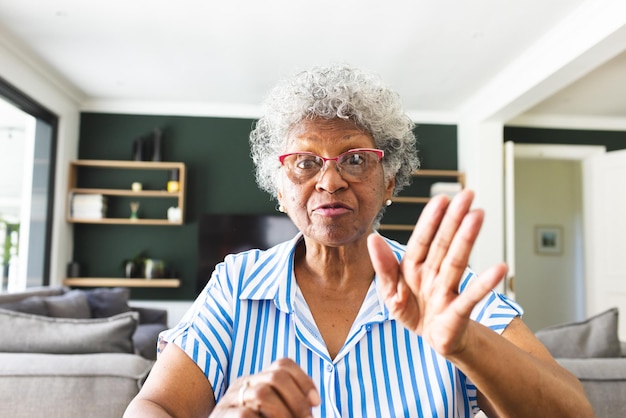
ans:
x=328 y=208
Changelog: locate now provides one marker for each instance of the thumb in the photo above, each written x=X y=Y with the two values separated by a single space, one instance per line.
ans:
x=385 y=264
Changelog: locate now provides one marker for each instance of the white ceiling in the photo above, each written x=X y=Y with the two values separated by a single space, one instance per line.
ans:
x=534 y=58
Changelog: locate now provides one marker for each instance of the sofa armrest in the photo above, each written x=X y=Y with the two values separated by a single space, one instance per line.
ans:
x=604 y=381
x=150 y=315
x=42 y=291
x=69 y=385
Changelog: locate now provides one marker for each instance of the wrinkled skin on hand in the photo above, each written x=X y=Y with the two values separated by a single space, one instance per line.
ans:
x=281 y=390
x=422 y=290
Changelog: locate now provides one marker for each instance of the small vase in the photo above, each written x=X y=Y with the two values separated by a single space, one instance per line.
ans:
x=131 y=269
x=156 y=145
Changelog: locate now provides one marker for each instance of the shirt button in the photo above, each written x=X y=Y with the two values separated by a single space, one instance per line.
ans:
x=329 y=368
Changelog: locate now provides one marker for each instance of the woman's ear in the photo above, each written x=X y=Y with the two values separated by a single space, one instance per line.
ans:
x=389 y=188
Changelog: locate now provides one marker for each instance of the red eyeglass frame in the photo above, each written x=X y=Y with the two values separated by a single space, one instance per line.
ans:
x=380 y=153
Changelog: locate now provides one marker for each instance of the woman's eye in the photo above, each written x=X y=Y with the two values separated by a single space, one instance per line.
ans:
x=355 y=159
x=307 y=163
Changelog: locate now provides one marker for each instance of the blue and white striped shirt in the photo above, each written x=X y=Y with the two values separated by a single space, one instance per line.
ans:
x=252 y=313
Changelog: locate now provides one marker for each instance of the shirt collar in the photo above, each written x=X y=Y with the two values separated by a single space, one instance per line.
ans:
x=272 y=276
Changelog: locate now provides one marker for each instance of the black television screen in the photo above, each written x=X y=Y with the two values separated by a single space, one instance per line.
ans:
x=223 y=234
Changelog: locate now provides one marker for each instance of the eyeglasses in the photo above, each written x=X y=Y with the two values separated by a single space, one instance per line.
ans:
x=353 y=165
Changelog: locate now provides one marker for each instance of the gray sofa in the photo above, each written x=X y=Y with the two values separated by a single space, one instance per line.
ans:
x=69 y=353
x=592 y=351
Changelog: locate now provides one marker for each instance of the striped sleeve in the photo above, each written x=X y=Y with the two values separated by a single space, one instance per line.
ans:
x=495 y=310
x=205 y=332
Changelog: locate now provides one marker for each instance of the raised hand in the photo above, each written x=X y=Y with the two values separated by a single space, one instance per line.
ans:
x=422 y=291
x=282 y=390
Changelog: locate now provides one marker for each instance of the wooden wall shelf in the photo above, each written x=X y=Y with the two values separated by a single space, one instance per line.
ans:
x=114 y=173
x=431 y=175
x=119 y=282
x=179 y=195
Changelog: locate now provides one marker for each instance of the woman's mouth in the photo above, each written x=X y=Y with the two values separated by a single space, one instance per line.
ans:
x=332 y=209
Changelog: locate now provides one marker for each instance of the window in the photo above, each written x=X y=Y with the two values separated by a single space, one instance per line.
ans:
x=27 y=163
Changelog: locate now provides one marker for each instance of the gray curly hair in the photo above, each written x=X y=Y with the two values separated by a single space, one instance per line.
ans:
x=331 y=92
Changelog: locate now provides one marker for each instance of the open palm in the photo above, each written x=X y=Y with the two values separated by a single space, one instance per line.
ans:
x=422 y=291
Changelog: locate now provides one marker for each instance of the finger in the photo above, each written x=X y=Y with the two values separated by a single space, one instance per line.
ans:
x=398 y=297
x=479 y=288
x=263 y=399
x=301 y=379
x=456 y=212
x=425 y=229
x=283 y=390
x=457 y=257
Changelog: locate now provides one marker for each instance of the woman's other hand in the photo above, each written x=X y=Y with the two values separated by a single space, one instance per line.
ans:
x=282 y=390
x=423 y=290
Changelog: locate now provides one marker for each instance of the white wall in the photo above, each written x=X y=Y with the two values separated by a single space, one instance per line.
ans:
x=175 y=309
x=481 y=148
x=549 y=287
x=35 y=80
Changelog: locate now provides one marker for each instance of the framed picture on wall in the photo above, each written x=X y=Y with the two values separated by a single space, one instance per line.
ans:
x=548 y=240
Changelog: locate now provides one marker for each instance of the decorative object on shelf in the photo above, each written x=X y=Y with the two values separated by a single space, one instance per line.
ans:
x=73 y=269
x=133 y=267
x=88 y=206
x=136 y=186
x=154 y=269
x=156 y=144
x=174 y=214
x=148 y=147
x=134 y=210
x=173 y=184
x=142 y=266
x=131 y=270
x=450 y=189
x=549 y=240
x=138 y=149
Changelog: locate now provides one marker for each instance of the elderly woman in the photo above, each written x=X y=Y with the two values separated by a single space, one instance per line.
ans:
x=339 y=321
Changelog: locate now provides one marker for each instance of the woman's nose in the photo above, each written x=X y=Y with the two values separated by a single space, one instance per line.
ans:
x=330 y=178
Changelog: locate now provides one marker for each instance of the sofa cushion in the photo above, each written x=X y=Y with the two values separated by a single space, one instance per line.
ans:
x=604 y=381
x=32 y=291
x=39 y=334
x=594 y=337
x=72 y=304
x=33 y=305
x=105 y=302
x=65 y=385
x=145 y=339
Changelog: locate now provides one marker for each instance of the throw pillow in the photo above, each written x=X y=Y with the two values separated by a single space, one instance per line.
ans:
x=105 y=302
x=72 y=304
x=594 y=337
x=33 y=305
x=27 y=333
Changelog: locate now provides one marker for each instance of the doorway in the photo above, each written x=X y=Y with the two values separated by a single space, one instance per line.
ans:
x=548 y=201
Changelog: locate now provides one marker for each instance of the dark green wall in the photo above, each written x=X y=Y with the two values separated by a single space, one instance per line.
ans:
x=612 y=140
x=220 y=179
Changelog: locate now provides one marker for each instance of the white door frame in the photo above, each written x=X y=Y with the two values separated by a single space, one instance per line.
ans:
x=557 y=151
x=537 y=151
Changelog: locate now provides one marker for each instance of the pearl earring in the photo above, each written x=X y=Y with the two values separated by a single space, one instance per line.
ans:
x=280 y=208
x=388 y=202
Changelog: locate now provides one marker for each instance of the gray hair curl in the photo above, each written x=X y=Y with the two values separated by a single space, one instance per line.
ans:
x=331 y=92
